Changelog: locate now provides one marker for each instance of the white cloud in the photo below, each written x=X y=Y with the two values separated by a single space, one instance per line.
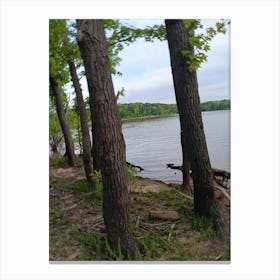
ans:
x=149 y=80
x=153 y=86
x=216 y=91
x=147 y=72
x=143 y=56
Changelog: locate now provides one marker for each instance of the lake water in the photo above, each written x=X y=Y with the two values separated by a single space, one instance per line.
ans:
x=155 y=142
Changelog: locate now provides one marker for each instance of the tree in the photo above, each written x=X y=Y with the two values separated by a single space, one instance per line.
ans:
x=82 y=111
x=58 y=77
x=188 y=102
x=109 y=138
x=63 y=122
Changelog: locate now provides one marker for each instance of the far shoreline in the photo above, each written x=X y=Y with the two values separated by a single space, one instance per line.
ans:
x=159 y=116
x=147 y=117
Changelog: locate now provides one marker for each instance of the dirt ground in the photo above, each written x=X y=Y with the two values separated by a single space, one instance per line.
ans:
x=76 y=223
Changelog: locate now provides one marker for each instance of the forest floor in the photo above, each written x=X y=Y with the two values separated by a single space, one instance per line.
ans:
x=77 y=231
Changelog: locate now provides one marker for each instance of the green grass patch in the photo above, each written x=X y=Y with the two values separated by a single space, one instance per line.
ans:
x=167 y=195
x=82 y=186
x=58 y=161
x=204 y=226
x=96 y=246
x=152 y=244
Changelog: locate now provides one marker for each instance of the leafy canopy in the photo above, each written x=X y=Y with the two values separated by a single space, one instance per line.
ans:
x=57 y=29
x=201 y=40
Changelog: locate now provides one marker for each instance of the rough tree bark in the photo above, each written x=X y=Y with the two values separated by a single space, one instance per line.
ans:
x=188 y=102
x=186 y=165
x=96 y=165
x=63 y=122
x=83 y=119
x=109 y=138
x=93 y=136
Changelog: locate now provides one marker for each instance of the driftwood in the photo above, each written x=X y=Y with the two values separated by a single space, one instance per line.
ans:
x=172 y=166
x=135 y=166
x=217 y=172
x=164 y=215
x=221 y=173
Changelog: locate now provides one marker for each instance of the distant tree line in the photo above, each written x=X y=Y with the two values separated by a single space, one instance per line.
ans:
x=138 y=109
x=215 y=105
x=134 y=110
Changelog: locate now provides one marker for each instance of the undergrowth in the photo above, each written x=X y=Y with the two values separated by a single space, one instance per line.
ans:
x=204 y=226
x=58 y=161
x=186 y=239
x=82 y=186
x=97 y=246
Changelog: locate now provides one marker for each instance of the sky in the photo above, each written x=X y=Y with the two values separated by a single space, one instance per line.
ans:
x=146 y=71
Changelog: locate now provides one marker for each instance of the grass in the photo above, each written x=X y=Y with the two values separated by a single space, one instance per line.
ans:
x=79 y=185
x=96 y=246
x=58 y=161
x=204 y=226
x=82 y=186
x=152 y=244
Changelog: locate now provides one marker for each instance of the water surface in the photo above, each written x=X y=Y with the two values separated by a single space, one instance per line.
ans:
x=155 y=142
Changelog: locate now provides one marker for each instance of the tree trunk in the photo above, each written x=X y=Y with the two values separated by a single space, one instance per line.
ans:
x=186 y=165
x=109 y=138
x=84 y=124
x=93 y=147
x=188 y=102
x=63 y=122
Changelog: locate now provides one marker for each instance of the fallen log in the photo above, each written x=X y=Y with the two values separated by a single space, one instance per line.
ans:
x=217 y=172
x=135 y=166
x=221 y=173
x=172 y=166
x=164 y=215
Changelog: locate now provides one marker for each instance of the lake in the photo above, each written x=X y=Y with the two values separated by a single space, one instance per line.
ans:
x=155 y=142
